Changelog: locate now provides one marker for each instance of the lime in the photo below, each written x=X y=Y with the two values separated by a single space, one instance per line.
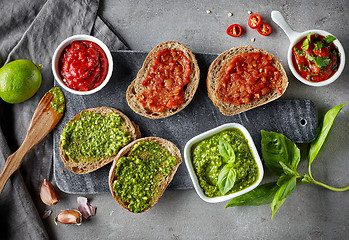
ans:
x=19 y=81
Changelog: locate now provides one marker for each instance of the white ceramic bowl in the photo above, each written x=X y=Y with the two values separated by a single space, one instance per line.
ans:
x=63 y=45
x=189 y=163
x=295 y=37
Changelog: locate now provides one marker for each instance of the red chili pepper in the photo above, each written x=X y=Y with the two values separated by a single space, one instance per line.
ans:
x=234 y=30
x=264 y=29
x=254 y=21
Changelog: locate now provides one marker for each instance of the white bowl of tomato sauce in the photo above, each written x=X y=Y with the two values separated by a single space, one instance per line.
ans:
x=234 y=163
x=315 y=57
x=82 y=64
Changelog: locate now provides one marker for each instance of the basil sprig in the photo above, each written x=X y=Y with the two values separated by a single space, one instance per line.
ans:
x=281 y=156
x=227 y=175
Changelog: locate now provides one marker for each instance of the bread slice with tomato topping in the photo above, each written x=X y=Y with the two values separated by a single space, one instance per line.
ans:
x=237 y=82
x=166 y=83
x=85 y=147
x=142 y=171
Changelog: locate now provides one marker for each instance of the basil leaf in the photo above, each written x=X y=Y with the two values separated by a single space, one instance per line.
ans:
x=277 y=148
x=226 y=178
x=329 y=38
x=226 y=151
x=261 y=195
x=322 y=138
x=289 y=171
x=322 y=62
x=288 y=185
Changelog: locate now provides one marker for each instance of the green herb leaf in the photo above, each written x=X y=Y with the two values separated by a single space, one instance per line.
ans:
x=322 y=138
x=309 y=37
x=305 y=68
x=318 y=45
x=288 y=185
x=289 y=171
x=226 y=178
x=299 y=52
x=305 y=44
x=310 y=76
x=226 y=151
x=277 y=148
x=261 y=195
x=329 y=38
x=310 y=57
x=322 y=62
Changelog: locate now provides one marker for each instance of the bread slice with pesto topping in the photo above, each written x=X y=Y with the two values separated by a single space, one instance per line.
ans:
x=217 y=67
x=89 y=155
x=136 y=88
x=141 y=190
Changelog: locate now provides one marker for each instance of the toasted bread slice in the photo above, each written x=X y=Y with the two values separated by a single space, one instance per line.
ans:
x=86 y=167
x=136 y=88
x=213 y=79
x=162 y=183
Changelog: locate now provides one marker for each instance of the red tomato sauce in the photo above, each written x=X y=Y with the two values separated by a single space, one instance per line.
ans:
x=316 y=60
x=83 y=65
x=166 y=79
x=247 y=77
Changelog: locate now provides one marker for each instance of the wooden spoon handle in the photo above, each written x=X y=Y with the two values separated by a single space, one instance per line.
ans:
x=12 y=164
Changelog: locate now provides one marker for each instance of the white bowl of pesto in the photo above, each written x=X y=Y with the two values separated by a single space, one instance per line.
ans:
x=223 y=163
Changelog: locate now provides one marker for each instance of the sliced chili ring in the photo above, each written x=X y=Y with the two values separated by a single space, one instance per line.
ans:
x=254 y=21
x=234 y=30
x=264 y=29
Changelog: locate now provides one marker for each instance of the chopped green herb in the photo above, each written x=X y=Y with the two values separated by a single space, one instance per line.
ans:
x=322 y=62
x=310 y=57
x=318 y=45
x=300 y=52
x=309 y=37
x=311 y=76
x=329 y=38
x=303 y=67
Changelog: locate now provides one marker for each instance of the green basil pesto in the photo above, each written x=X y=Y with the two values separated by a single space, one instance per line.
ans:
x=93 y=137
x=208 y=162
x=58 y=99
x=140 y=174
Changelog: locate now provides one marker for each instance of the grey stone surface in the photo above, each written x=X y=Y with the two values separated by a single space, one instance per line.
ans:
x=311 y=212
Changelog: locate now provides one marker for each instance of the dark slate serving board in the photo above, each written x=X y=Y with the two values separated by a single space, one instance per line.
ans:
x=294 y=118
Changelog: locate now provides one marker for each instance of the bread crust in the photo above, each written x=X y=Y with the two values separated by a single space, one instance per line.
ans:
x=136 y=88
x=86 y=167
x=169 y=146
x=213 y=77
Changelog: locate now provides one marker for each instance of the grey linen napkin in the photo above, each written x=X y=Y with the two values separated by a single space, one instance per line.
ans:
x=32 y=29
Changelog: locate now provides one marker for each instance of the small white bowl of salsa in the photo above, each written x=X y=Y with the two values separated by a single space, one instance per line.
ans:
x=206 y=162
x=82 y=64
x=315 y=57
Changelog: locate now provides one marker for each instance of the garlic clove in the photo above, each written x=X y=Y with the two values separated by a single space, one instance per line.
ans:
x=48 y=193
x=85 y=208
x=69 y=217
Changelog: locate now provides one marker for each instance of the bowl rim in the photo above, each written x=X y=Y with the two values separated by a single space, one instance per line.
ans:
x=80 y=37
x=336 y=43
x=209 y=133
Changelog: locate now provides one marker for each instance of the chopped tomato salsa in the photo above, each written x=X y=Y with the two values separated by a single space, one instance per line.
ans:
x=83 y=65
x=315 y=57
x=165 y=81
x=247 y=77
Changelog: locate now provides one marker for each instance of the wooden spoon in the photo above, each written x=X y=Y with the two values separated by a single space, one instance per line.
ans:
x=45 y=118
